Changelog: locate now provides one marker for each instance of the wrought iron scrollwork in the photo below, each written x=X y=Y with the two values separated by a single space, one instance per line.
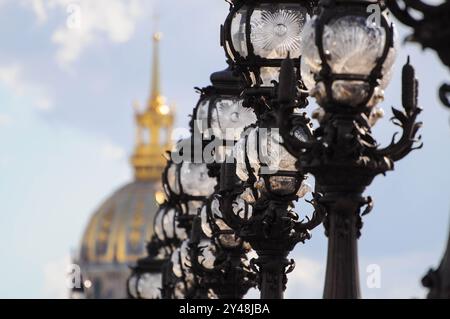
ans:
x=432 y=30
x=444 y=94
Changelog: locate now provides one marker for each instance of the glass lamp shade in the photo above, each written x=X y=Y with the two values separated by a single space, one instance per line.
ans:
x=132 y=286
x=262 y=159
x=171 y=181
x=242 y=209
x=167 y=226
x=192 y=207
x=195 y=180
x=149 y=286
x=206 y=226
x=207 y=257
x=214 y=226
x=261 y=152
x=223 y=117
x=184 y=255
x=354 y=48
x=180 y=268
x=176 y=265
x=259 y=34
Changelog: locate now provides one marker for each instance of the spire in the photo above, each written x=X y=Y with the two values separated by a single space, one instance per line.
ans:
x=154 y=127
x=156 y=75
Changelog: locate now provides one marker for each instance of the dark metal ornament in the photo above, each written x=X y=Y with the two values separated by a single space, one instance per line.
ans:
x=438 y=280
x=150 y=264
x=344 y=158
x=274 y=228
x=229 y=278
x=431 y=31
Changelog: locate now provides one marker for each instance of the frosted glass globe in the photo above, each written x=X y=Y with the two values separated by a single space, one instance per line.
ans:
x=268 y=158
x=352 y=45
x=172 y=178
x=230 y=118
x=206 y=227
x=195 y=180
x=149 y=286
x=207 y=257
x=275 y=30
x=132 y=286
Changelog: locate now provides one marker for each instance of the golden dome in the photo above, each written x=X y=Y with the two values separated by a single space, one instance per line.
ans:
x=119 y=229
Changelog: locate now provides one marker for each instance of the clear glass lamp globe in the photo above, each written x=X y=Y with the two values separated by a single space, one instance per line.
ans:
x=228 y=119
x=166 y=225
x=352 y=44
x=149 y=286
x=195 y=180
x=132 y=286
x=207 y=257
x=271 y=154
x=275 y=31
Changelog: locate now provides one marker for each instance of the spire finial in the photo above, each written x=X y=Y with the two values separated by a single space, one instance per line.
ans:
x=156 y=75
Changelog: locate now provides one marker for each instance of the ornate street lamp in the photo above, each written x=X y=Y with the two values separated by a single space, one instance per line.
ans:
x=146 y=279
x=346 y=64
x=266 y=176
x=220 y=261
x=432 y=30
x=258 y=35
x=217 y=256
x=188 y=185
x=220 y=116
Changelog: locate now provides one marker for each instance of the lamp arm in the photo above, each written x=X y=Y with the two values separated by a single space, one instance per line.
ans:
x=316 y=219
x=406 y=119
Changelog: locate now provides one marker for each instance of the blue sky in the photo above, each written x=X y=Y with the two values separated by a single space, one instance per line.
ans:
x=66 y=131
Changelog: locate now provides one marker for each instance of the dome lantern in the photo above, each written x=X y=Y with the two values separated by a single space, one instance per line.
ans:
x=154 y=127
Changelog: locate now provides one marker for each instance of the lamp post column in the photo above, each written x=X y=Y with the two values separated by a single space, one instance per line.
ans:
x=343 y=224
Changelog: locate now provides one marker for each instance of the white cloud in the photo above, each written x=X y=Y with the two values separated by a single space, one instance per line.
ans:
x=88 y=21
x=38 y=8
x=12 y=77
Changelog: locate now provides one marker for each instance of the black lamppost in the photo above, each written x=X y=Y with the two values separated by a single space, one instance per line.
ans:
x=218 y=258
x=146 y=279
x=150 y=278
x=188 y=185
x=258 y=35
x=432 y=30
x=346 y=65
x=257 y=194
